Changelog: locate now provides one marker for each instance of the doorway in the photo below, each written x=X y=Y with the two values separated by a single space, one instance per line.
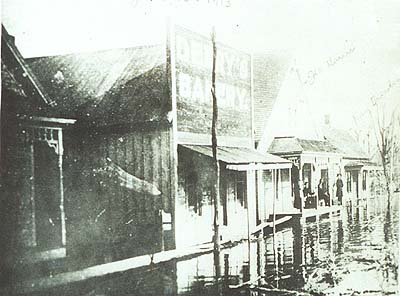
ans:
x=47 y=197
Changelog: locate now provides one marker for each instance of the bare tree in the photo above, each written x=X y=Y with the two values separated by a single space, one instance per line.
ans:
x=386 y=132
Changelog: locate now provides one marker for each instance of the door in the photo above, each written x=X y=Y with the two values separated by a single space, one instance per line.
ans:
x=325 y=177
x=355 y=180
x=47 y=198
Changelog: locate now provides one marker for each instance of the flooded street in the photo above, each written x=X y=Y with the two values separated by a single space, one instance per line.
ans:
x=349 y=253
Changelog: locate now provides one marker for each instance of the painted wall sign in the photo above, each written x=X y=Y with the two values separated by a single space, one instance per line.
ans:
x=233 y=86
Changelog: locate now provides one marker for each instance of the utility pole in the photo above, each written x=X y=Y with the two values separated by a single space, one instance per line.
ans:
x=214 y=145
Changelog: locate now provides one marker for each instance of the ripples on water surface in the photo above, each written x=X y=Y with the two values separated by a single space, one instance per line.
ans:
x=344 y=254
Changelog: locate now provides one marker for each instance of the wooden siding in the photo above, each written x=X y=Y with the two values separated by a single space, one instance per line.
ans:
x=194 y=208
x=102 y=213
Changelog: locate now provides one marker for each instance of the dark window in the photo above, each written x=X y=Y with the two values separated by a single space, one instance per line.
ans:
x=325 y=177
x=241 y=188
x=276 y=181
x=307 y=174
x=195 y=197
x=364 y=181
x=285 y=175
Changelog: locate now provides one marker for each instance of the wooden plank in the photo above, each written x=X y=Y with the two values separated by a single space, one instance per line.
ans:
x=157 y=178
x=165 y=171
x=251 y=198
x=114 y=191
x=43 y=120
x=125 y=194
x=266 y=224
x=36 y=256
x=149 y=176
x=148 y=173
x=139 y=173
x=131 y=167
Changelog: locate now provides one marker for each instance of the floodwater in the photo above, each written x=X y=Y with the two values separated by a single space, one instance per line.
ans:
x=350 y=253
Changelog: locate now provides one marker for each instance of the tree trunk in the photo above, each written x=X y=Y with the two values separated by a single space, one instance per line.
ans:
x=214 y=144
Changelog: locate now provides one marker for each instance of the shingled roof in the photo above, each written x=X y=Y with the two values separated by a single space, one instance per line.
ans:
x=269 y=72
x=343 y=140
x=292 y=145
x=96 y=85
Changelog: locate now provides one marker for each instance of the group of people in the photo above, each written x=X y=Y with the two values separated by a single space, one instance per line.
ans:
x=323 y=193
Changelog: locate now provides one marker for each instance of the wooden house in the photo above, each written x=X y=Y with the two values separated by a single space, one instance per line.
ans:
x=361 y=176
x=314 y=160
x=113 y=150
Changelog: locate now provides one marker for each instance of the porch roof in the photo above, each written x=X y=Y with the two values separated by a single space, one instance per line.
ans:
x=359 y=164
x=242 y=158
x=293 y=145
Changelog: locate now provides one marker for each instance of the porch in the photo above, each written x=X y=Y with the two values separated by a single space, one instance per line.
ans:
x=244 y=175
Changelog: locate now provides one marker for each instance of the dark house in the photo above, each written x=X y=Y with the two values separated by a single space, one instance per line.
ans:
x=86 y=147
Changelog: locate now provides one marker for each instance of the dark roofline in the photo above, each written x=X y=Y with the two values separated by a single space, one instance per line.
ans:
x=287 y=153
x=356 y=158
x=88 y=52
x=284 y=137
x=9 y=42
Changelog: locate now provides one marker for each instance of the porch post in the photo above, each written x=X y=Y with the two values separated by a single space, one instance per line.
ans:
x=301 y=180
x=251 y=198
x=332 y=192
x=291 y=189
x=32 y=185
x=60 y=168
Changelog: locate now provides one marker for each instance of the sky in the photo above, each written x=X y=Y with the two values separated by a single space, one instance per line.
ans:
x=341 y=52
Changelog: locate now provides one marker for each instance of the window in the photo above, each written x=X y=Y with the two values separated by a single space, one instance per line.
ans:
x=364 y=181
x=325 y=177
x=194 y=193
x=307 y=174
x=276 y=182
x=241 y=188
x=285 y=175
x=348 y=181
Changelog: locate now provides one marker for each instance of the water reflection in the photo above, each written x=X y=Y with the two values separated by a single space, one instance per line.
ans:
x=331 y=254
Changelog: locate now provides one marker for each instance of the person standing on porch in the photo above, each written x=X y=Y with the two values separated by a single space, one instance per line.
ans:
x=323 y=195
x=339 y=188
x=296 y=187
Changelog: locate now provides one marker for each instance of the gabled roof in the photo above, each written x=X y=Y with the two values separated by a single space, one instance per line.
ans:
x=292 y=145
x=17 y=77
x=80 y=83
x=9 y=82
x=346 y=143
x=269 y=72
